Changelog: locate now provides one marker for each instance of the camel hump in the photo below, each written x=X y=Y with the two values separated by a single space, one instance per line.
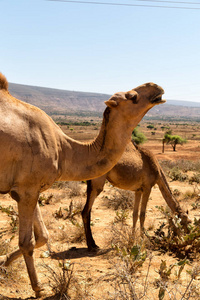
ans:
x=3 y=82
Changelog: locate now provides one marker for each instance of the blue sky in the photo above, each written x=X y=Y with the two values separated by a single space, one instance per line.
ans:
x=101 y=48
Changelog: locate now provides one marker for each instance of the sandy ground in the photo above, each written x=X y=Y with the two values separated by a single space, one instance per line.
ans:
x=91 y=269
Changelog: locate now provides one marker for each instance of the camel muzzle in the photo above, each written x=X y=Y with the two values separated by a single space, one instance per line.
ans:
x=158 y=100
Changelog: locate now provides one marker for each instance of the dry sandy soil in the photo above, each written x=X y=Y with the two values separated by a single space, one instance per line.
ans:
x=92 y=271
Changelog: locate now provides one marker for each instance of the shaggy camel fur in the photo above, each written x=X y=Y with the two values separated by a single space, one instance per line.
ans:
x=138 y=170
x=35 y=152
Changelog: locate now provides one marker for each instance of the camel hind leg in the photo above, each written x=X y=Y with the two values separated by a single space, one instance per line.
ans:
x=138 y=195
x=41 y=238
x=143 y=208
x=40 y=230
x=144 y=195
x=94 y=188
x=27 y=202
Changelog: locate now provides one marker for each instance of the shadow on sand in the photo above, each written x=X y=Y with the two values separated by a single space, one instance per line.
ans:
x=72 y=253
x=78 y=253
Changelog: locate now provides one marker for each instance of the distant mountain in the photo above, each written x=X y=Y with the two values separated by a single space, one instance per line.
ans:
x=55 y=101
x=184 y=103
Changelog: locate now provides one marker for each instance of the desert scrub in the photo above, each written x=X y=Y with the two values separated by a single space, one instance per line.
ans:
x=192 y=196
x=121 y=199
x=128 y=262
x=73 y=187
x=176 y=175
x=13 y=216
x=170 y=236
x=132 y=266
x=45 y=199
x=122 y=236
x=195 y=178
x=176 y=192
x=61 y=185
x=78 y=233
x=11 y=275
x=9 y=210
x=61 y=279
x=181 y=164
x=74 y=209
x=5 y=246
x=169 y=284
x=121 y=216
x=129 y=256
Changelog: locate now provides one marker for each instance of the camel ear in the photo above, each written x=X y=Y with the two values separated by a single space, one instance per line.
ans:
x=111 y=103
x=132 y=95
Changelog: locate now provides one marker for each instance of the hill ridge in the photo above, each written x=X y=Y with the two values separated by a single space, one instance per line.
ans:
x=55 y=101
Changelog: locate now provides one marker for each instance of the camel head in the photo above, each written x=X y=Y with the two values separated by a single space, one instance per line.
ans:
x=135 y=103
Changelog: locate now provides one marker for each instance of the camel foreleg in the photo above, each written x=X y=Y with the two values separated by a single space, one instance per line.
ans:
x=138 y=195
x=26 y=209
x=143 y=208
x=94 y=188
x=41 y=238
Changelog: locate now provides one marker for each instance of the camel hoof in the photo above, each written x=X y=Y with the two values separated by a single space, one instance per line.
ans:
x=40 y=293
x=93 y=249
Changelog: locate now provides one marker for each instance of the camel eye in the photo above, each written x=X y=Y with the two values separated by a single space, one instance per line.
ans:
x=134 y=99
x=133 y=96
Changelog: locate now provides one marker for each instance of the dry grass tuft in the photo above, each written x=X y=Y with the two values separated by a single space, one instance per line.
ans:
x=64 y=283
x=121 y=199
x=130 y=277
x=171 y=237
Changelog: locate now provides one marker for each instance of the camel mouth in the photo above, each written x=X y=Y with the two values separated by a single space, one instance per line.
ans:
x=158 y=99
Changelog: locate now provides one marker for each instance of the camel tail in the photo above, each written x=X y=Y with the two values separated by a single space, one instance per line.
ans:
x=3 y=82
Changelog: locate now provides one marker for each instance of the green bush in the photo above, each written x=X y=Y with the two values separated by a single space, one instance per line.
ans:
x=176 y=175
x=138 y=137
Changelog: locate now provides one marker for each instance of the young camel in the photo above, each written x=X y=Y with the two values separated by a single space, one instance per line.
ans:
x=138 y=170
x=35 y=152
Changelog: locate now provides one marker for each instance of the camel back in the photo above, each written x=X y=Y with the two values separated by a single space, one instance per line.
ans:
x=3 y=82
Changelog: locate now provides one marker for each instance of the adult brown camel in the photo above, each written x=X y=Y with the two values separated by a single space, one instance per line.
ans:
x=35 y=153
x=138 y=170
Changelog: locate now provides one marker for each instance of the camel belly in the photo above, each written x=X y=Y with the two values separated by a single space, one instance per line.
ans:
x=125 y=178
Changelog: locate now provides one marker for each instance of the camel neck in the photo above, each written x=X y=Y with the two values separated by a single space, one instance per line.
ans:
x=93 y=159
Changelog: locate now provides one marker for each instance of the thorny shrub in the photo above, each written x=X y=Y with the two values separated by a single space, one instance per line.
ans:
x=75 y=208
x=121 y=216
x=43 y=199
x=60 y=279
x=192 y=195
x=130 y=256
x=13 y=215
x=176 y=170
x=170 y=284
x=121 y=199
x=73 y=188
x=176 y=175
x=195 y=178
x=171 y=237
x=181 y=164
